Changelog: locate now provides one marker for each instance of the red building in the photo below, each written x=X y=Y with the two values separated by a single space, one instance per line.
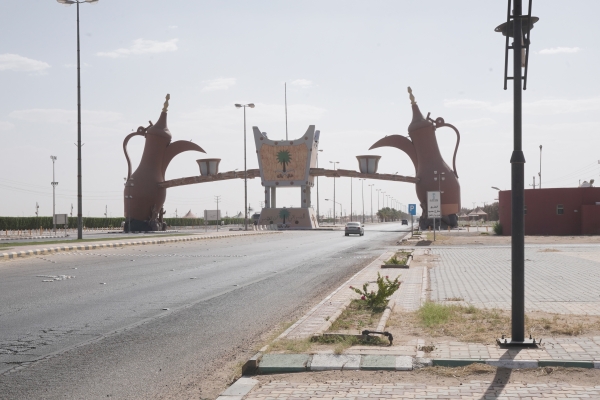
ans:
x=561 y=211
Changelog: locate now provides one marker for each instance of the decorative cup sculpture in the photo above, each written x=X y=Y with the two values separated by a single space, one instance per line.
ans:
x=144 y=199
x=209 y=166
x=423 y=150
x=368 y=164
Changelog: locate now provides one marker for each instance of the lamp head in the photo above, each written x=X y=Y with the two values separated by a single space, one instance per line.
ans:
x=238 y=105
x=507 y=27
x=251 y=105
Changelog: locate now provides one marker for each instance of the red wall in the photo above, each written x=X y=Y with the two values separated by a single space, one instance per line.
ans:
x=581 y=215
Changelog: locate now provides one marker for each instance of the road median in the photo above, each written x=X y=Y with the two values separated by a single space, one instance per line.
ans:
x=93 y=246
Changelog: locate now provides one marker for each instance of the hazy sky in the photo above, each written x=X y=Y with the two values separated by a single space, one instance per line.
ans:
x=347 y=65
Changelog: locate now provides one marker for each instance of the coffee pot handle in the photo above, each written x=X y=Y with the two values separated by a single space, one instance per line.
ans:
x=439 y=122
x=141 y=131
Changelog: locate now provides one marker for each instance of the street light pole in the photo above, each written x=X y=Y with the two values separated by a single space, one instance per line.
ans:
x=341 y=209
x=334 y=162
x=251 y=105
x=79 y=180
x=351 y=207
x=371 y=185
x=54 y=183
x=362 y=188
x=318 y=212
x=514 y=27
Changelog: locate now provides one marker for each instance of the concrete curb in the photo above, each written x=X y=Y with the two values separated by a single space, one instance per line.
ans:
x=332 y=318
x=239 y=389
x=29 y=253
x=287 y=363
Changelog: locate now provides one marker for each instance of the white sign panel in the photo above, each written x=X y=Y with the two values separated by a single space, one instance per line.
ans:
x=212 y=215
x=434 y=206
x=61 y=219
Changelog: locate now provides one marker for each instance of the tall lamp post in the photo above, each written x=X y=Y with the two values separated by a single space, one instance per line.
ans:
x=334 y=162
x=362 y=188
x=79 y=188
x=318 y=214
x=517 y=26
x=251 y=105
x=351 y=206
x=371 y=185
x=53 y=183
x=378 y=190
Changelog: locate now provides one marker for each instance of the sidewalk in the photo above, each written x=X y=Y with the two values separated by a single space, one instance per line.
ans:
x=39 y=248
x=481 y=277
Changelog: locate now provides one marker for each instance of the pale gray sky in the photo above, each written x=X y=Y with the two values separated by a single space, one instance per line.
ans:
x=347 y=65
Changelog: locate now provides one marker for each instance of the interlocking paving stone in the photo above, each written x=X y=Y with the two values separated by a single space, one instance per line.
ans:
x=468 y=390
x=564 y=281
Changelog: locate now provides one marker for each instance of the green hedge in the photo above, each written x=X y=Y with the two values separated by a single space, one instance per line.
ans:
x=26 y=223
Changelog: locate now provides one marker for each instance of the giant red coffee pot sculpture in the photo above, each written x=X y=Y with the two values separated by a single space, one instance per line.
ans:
x=144 y=199
x=423 y=150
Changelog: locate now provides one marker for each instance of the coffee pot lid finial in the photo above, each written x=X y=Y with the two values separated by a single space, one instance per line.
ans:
x=166 y=105
x=412 y=98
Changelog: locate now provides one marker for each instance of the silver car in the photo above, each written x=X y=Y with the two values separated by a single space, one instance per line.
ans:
x=355 y=228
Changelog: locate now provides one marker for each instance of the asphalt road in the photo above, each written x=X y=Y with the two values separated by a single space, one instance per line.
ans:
x=164 y=321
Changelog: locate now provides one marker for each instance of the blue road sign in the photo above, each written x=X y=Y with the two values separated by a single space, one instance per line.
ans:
x=412 y=209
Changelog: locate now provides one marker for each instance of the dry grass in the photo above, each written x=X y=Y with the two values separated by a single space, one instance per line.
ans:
x=471 y=324
x=438 y=236
x=290 y=346
x=356 y=317
x=459 y=372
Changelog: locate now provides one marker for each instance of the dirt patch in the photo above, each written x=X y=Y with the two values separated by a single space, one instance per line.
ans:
x=357 y=316
x=435 y=322
x=445 y=376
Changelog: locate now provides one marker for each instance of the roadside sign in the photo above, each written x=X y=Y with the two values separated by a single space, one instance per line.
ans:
x=412 y=209
x=434 y=207
x=61 y=219
x=212 y=215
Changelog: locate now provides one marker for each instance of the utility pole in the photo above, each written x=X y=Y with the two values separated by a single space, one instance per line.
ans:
x=533 y=182
x=217 y=198
x=37 y=208
x=540 y=173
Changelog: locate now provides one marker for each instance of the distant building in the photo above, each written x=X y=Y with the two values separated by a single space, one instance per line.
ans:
x=559 y=211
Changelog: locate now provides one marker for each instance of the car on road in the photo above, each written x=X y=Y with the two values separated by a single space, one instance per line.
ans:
x=404 y=222
x=354 y=228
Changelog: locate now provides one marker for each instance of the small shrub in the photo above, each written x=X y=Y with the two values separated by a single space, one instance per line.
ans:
x=385 y=288
x=497 y=228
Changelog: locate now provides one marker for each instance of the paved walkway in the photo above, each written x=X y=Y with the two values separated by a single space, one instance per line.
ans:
x=358 y=390
x=564 y=281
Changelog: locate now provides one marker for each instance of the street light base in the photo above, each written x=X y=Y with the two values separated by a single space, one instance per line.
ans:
x=508 y=342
